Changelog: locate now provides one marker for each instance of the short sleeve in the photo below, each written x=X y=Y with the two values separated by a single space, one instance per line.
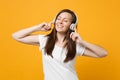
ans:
x=42 y=41
x=79 y=49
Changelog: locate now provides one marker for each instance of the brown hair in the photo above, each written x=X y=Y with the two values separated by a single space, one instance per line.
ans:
x=52 y=37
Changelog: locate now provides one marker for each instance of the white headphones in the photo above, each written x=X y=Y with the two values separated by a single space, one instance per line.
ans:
x=73 y=25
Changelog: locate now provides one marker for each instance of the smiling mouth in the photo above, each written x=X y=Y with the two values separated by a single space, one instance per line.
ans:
x=59 y=26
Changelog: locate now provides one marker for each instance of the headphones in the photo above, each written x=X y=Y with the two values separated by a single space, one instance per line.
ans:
x=73 y=25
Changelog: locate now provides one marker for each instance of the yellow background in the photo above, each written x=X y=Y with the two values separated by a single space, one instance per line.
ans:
x=99 y=23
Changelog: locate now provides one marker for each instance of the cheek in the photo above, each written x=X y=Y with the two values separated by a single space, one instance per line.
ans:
x=67 y=26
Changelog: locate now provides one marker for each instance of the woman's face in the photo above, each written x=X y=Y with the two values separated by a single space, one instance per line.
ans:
x=63 y=22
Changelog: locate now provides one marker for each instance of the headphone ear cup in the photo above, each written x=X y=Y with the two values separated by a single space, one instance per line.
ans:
x=53 y=20
x=72 y=27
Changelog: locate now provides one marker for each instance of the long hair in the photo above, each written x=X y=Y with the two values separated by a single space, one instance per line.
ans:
x=70 y=45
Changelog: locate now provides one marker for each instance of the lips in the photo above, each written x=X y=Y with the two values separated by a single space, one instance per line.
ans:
x=59 y=26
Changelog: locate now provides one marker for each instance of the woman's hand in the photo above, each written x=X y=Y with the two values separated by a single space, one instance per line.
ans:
x=44 y=26
x=76 y=37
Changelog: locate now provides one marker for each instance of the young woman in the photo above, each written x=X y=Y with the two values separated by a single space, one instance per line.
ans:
x=61 y=46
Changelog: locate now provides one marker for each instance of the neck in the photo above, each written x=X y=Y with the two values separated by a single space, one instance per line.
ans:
x=60 y=37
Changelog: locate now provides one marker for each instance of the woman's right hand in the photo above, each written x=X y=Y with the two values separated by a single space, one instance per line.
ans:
x=45 y=26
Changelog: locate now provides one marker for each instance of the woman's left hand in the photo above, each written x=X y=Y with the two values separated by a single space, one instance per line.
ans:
x=76 y=37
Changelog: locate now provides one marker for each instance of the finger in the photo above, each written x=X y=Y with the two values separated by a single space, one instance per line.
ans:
x=73 y=38
x=50 y=25
x=46 y=27
x=45 y=24
x=71 y=34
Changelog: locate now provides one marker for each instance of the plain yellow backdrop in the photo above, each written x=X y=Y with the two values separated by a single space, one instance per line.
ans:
x=99 y=23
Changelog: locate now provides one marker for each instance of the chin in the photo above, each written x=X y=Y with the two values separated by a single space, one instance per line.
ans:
x=59 y=30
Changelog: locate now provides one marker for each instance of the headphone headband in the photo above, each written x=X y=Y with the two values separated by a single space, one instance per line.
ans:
x=74 y=25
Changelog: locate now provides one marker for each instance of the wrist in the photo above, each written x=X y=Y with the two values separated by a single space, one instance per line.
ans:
x=37 y=28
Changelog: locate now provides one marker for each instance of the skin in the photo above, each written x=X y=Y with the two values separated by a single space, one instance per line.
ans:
x=63 y=22
x=62 y=25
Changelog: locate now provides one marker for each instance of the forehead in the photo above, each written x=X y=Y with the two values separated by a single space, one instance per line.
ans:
x=65 y=15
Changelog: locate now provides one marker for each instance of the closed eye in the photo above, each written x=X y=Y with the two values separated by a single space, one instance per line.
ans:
x=65 y=20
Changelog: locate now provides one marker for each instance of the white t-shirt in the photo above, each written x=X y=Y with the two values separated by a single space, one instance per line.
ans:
x=55 y=68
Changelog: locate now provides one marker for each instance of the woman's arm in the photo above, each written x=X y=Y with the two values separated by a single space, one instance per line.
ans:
x=91 y=50
x=26 y=37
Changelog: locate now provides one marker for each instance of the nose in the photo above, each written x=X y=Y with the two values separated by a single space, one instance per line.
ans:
x=60 y=21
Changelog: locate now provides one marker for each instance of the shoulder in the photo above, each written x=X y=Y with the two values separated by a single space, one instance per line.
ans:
x=42 y=40
x=42 y=37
